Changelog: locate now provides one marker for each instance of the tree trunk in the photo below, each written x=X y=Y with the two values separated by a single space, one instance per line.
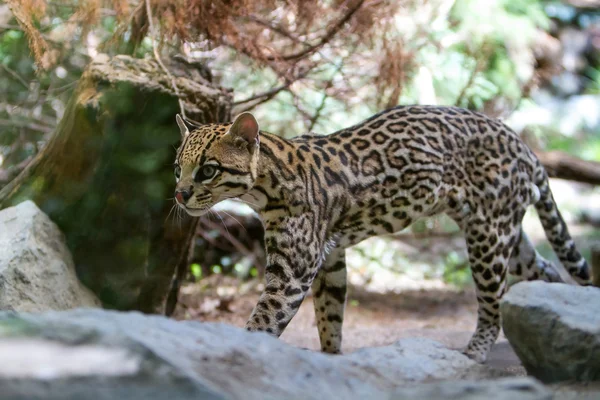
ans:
x=105 y=177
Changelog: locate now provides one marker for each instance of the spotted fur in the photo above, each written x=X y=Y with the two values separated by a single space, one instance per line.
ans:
x=318 y=195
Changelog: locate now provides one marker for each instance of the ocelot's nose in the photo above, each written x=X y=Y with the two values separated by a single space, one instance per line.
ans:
x=183 y=195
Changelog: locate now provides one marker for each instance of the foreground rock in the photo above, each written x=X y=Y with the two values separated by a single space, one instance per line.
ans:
x=554 y=329
x=502 y=389
x=36 y=268
x=98 y=354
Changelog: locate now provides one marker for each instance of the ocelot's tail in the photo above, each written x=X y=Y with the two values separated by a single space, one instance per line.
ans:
x=557 y=232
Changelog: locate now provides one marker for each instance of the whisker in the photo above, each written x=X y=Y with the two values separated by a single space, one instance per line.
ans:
x=241 y=200
x=171 y=211
x=232 y=217
x=179 y=215
x=223 y=222
x=212 y=213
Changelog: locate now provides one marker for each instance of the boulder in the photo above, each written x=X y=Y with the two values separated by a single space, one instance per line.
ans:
x=554 y=329
x=100 y=354
x=36 y=269
x=502 y=389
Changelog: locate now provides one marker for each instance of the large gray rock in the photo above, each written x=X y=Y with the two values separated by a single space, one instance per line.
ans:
x=554 y=329
x=501 y=389
x=36 y=268
x=98 y=354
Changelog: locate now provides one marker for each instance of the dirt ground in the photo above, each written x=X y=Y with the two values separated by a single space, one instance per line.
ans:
x=371 y=319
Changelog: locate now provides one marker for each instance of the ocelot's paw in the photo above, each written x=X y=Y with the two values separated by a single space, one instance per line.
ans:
x=326 y=352
x=333 y=353
x=554 y=276
x=476 y=355
x=331 y=348
x=549 y=271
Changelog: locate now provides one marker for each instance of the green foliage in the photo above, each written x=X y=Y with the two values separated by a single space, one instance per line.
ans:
x=196 y=271
x=584 y=147
x=456 y=270
x=593 y=74
x=486 y=53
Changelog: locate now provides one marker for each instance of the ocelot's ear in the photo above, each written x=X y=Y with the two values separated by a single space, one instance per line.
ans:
x=245 y=127
x=182 y=127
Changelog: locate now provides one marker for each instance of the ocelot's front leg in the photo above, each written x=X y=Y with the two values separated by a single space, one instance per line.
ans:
x=294 y=248
x=329 y=295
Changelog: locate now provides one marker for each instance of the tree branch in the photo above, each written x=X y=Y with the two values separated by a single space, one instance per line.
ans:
x=564 y=166
x=29 y=125
x=8 y=27
x=321 y=106
x=588 y=4
x=277 y=29
x=8 y=175
x=479 y=66
x=297 y=100
x=269 y=94
x=331 y=32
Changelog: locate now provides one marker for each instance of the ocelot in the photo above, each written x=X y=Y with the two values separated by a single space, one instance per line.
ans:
x=317 y=195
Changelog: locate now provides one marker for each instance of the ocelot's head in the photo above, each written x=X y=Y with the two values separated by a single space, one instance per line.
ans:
x=215 y=162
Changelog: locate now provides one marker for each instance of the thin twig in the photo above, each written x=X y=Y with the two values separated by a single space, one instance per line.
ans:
x=524 y=92
x=277 y=29
x=9 y=27
x=24 y=111
x=321 y=106
x=29 y=125
x=59 y=88
x=239 y=110
x=159 y=61
x=317 y=115
x=463 y=92
x=8 y=175
x=297 y=99
x=283 y=32
x=331 y=32
x=269 y=94
x=479 y=61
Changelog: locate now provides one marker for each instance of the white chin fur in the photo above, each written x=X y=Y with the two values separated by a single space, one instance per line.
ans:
x=194 y=212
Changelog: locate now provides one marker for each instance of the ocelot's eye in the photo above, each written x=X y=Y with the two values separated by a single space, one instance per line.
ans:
x=205 y=173
x=177 y=172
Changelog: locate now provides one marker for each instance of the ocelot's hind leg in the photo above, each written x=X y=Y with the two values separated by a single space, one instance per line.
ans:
x=527 y=264
x=329 y=294
x=489 y=250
